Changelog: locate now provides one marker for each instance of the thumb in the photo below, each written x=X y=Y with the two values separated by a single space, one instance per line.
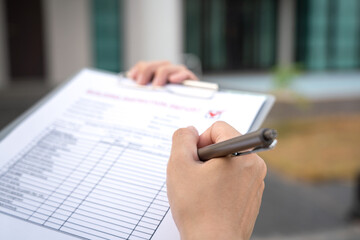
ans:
x=184 y=146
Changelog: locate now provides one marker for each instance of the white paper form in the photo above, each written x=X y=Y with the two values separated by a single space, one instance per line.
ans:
x=91 y=162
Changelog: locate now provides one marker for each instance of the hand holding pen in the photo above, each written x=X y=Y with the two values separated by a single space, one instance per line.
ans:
x=218 y=199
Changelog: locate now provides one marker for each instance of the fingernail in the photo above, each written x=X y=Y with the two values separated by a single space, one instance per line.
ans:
x=155 y=82
x=139 y=79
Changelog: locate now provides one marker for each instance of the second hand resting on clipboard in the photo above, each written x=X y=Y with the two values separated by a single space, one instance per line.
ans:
x=223 y=196
x=159 y=73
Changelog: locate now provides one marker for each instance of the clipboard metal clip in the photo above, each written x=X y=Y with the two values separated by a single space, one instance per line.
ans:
x=193 y=88
x=257 y=149
x=188 y=88
x=199 y=84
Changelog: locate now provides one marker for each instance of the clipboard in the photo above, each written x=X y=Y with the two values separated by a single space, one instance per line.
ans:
x=166 y=223
x=258 y=121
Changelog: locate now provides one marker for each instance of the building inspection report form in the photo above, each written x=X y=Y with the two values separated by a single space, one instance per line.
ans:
x=90 y=162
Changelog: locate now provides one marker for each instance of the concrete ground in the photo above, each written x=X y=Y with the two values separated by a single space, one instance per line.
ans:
x=296 y=210
x=290 y=209
x=312 y=85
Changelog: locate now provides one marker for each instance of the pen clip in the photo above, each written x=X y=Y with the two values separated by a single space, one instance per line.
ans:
x=257 y=149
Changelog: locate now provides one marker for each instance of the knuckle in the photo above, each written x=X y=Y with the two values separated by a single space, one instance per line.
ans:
x=182 y=67
x=165 y=62
x=183 y=133
x=219 y=124
x=261 y=168
x=141 y=64
x=161 y=70
x=255 y=166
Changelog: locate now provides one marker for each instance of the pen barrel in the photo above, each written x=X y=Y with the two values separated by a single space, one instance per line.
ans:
x=237 y=144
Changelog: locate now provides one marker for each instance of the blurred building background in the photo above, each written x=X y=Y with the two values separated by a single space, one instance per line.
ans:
x=49 y=40
x=307 y=52
x=256 y=35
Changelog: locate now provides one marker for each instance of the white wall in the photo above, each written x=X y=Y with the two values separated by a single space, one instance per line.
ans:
x=67 y=38
x=152 y=31
x=286 y=32
x=3 y=53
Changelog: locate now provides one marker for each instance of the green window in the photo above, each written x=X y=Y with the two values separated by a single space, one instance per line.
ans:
x=231 y=34
x=106 y=34
x=328 y=34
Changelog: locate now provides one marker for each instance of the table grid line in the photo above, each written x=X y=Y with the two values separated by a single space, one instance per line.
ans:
x=96 y=183
x=81 y=180
x=63 y=181
x=146 y=210
x=37 y=169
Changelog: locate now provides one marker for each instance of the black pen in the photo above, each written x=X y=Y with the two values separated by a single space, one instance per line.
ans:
x=260 y=140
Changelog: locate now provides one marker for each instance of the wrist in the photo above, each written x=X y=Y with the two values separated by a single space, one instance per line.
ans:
x=211 y=232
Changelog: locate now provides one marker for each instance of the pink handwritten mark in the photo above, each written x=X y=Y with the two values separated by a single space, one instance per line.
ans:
x=142 y=101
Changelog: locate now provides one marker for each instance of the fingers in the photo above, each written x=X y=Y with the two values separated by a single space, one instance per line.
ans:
x=143 y=72
x=218 y=132
x=179 y=77
x=133 y=72
x=251 y=164
x=162 y=73
x=159 y=72
x=184 y=146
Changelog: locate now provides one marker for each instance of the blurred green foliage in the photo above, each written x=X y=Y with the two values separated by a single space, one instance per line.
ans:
x=283 y=76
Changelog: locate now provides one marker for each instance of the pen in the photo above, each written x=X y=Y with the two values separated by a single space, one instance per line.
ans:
x=260 y=140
